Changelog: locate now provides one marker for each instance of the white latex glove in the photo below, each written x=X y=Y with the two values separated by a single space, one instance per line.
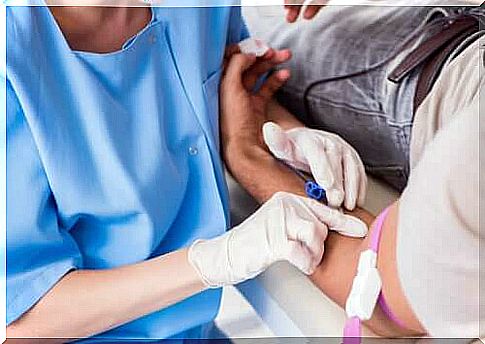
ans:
x=334 y=164
x=287 y=227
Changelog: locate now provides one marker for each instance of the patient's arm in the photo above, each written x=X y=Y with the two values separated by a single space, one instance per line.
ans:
x=335 y=274
x=261 y=175
x=255 y=168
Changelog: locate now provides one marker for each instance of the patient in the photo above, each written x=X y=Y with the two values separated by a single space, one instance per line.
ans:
x=345 y=75
x=428 y=257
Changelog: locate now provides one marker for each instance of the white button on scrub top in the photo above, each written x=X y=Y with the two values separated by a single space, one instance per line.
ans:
x=193 y=150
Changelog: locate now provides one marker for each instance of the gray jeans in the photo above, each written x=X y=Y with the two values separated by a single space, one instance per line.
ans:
x=339 y=78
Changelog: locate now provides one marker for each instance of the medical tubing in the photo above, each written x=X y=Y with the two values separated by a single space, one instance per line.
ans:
x=312 y=188
x=295 y=170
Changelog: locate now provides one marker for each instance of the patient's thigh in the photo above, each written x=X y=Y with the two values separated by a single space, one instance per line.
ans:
x=345 y=55
x=379 y=130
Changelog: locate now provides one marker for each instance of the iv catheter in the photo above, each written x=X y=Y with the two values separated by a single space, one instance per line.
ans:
x=312 y=188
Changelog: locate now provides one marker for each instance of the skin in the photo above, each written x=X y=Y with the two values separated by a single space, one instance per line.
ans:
x=294 y=8
x=94 y=307
x=100 y=29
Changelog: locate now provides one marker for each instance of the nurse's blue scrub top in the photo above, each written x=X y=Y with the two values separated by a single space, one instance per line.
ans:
x=114 y=158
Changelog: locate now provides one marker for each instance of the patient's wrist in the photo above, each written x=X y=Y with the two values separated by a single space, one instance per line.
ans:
x=259 y=173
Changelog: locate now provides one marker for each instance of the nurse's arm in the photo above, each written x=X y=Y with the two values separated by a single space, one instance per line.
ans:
x=85 y=302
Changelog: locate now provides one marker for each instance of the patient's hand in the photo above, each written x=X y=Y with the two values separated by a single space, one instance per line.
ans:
x=243 y=110
x=294 y=8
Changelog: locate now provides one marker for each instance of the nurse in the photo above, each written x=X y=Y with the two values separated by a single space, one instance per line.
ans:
x=116 y=204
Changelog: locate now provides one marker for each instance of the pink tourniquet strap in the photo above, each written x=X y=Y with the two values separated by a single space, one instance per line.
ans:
x=374 y=245
x=352 y=331
x=376 y=233
x=387 y=311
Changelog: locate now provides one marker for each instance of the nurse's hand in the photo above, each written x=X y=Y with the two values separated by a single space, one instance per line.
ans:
x=294 y=7
x=286 y=228
x=334 y=164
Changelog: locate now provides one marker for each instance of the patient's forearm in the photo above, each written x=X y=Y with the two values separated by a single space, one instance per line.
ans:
x=262 y=176
x=256 y=169
x=278 y=114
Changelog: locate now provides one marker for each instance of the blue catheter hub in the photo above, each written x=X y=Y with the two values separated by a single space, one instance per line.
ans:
x=315 y=191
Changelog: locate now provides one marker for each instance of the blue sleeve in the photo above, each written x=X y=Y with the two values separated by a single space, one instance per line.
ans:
x=237 y=27
x=39 y=252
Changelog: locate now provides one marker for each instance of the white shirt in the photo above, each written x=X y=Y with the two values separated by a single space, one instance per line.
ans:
x=438 y=232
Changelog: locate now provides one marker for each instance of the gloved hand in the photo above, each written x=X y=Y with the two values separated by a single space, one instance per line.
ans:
x=287 y=227
x=334 y=164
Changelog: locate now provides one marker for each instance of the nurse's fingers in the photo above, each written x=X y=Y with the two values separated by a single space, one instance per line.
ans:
x=351 y=181
x=278 y=142
x=363 y=184
x=273 y=84
x=356 y=177
x=301 y=257
x=320 y=166
x=312 y=234
x=238 y=64
x=335 y=220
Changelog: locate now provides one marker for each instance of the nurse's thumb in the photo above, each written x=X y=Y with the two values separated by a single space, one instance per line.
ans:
x=277 y=141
